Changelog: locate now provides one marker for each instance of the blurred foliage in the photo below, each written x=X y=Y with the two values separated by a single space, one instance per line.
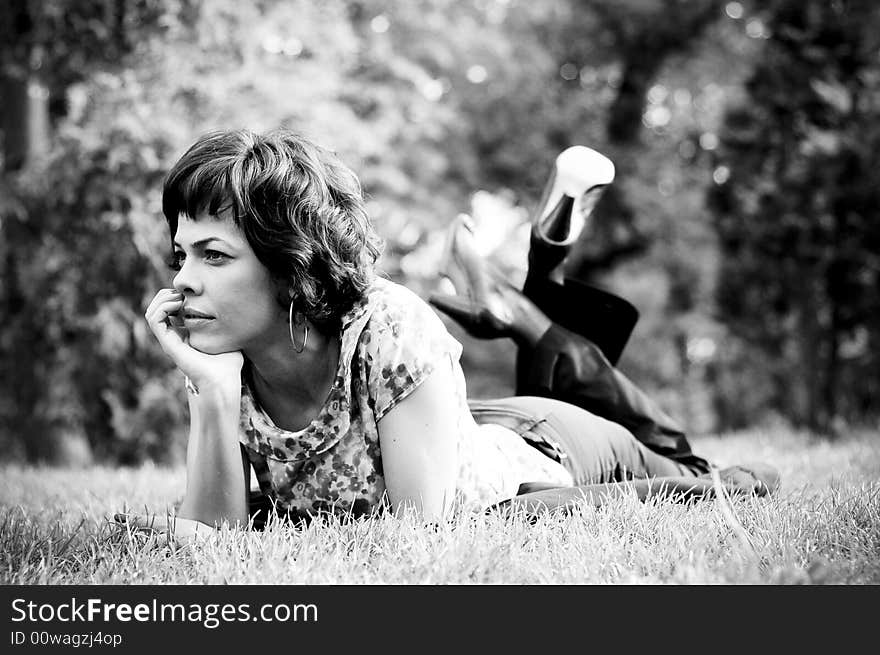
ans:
x=797 y=215
x=441 y=107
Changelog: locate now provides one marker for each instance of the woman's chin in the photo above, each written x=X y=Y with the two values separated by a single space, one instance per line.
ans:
x=210 y=347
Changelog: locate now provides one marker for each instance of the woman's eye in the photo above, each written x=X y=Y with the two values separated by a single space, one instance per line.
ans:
x=214 y=256
x=175 y=262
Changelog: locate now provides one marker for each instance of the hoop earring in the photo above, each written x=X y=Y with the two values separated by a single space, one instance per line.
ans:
x=297 y=349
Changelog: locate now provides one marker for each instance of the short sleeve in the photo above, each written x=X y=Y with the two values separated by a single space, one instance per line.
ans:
x=402 y=344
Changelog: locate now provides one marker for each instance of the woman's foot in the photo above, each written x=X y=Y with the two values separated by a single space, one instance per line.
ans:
x=486 y=305
x=758 y=479
x=578 y=178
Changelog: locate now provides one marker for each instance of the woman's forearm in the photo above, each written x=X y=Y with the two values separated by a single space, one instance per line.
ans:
x=595 y=495
x=215 y=484
x=538 y=502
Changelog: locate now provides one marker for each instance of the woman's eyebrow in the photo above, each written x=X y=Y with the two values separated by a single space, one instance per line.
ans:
x=204 y=242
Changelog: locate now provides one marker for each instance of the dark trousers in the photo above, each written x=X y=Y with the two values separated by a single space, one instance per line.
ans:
x=592 y=449
x=569 y=367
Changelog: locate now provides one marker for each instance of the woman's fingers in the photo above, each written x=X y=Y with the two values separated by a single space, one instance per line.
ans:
x=162 y=530
x=160 y=316
x=165 y=303
x=162 y=295
x=141 y=522
x=162 y=321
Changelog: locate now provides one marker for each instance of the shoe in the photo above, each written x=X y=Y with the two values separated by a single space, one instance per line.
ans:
x=579 y=173
x=579 y=176
x=478 y=320
x=460 y=263
x=478 y=307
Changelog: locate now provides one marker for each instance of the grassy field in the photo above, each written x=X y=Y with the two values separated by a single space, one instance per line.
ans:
x=822 y=527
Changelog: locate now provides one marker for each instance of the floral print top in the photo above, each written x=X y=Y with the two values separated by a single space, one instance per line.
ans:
x=391 y=341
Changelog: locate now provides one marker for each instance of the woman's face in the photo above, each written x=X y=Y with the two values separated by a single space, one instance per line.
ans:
x=229 y=296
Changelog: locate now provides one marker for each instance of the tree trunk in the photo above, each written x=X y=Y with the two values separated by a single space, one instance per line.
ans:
x=625 y=113
x=613 y=215
x=25 y=121
x=808 y=366
x=831 y=377
x=675 y=27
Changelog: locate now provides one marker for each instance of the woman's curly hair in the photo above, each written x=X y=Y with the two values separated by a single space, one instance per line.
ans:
x=300 y=208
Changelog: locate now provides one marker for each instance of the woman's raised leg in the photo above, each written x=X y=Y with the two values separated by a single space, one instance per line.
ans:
x=568 y=367
x=552 y=361
x=593 y=449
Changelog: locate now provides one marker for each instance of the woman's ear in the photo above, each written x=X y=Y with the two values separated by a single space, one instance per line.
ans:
x=283 y=292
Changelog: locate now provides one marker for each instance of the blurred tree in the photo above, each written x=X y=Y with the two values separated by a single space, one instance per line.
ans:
x=50 y=208
x=679 y=338
x=45 y=47
x=796 y=205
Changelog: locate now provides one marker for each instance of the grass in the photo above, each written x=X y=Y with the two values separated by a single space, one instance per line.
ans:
x=822 y=527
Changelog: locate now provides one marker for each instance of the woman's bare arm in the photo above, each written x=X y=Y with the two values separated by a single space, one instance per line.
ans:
x=216 y=489
x=539 y=502
x=420 y=447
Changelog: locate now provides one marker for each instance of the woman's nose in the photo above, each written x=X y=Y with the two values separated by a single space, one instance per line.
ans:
x=185 y=281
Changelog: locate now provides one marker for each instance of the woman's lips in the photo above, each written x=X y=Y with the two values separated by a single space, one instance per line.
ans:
x=193 y=318
x=196 y=321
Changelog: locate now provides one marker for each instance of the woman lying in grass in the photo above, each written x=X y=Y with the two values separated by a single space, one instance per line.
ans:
x=343 y=390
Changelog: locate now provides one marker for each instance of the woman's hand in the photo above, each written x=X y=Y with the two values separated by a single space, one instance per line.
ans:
x=166 y=529
x=202 y=369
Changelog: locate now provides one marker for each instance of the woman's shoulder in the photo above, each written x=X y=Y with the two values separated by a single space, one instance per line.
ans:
x=393 y=321
x=400 y=345
x=401 y=322
x=386 y=288
x=395 y=304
